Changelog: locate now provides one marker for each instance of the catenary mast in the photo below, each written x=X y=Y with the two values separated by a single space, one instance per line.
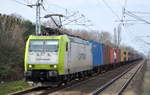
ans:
x=38 y=16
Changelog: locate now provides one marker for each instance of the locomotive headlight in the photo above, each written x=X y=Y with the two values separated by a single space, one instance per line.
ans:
x=55 y=66
x=30 y=66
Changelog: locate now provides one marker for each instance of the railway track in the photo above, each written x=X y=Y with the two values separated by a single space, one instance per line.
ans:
x=24 y=91
x=46 y=90
x=117 y=85
x=76 y=87
x=88 y=86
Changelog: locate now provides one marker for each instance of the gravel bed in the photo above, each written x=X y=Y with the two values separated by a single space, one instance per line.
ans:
x=115 y=87
x=135 y=86
x=91 y=84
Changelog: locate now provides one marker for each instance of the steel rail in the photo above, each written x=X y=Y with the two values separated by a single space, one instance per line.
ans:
x=129 y=80
x=24 y=91
x=52 y=90
x=103 y=87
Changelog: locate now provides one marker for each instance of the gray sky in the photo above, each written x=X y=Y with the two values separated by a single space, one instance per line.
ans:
x=96 y=11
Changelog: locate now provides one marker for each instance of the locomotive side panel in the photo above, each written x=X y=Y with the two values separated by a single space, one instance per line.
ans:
x=80 y=58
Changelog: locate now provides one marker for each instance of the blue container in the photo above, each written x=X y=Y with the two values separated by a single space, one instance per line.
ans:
x=97 y=53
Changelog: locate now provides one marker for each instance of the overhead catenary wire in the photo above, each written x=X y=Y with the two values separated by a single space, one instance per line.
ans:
x=21 y=3
x=70 y=21
x=144 y=41
x=69 y=18
x=75 y=17
x=63 y=8
x=136 y=17
x=107 y=5
x=133 y=14
x=140 y=12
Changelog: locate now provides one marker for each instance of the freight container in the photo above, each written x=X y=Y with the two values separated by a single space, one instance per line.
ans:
x=119 y=55
x=107 y=54
x=103 y=50
x=126 y=55
x=112 y=55
x=102 y=54
x=116 y=58
x=97 y=53
x=130 y=56
x=122 y=55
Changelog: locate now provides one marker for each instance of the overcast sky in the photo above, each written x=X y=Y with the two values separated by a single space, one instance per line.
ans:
x=101 y=16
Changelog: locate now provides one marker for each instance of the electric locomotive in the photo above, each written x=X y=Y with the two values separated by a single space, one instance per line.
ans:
x=52 y=59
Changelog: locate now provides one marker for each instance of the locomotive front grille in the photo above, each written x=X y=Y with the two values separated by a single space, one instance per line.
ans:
x=40 y=75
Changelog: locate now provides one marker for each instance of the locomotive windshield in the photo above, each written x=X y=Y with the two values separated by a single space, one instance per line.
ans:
x=43 y=45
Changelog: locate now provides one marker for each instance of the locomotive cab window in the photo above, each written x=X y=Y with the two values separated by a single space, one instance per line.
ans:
x=43 y=45
x=36 y=45
x=51 y=45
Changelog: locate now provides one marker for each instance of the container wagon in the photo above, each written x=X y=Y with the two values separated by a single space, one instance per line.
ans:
x=97 y=55
x=112 y=55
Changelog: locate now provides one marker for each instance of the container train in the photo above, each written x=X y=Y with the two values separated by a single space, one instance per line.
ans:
x=61 y=58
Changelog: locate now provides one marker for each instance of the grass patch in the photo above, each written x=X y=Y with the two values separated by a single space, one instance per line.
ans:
x=14 y=86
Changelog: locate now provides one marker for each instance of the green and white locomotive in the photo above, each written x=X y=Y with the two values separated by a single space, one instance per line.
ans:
x=50 y=59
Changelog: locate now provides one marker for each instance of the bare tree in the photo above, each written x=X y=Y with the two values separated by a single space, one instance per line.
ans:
x=11 y=47
x=105 y=36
